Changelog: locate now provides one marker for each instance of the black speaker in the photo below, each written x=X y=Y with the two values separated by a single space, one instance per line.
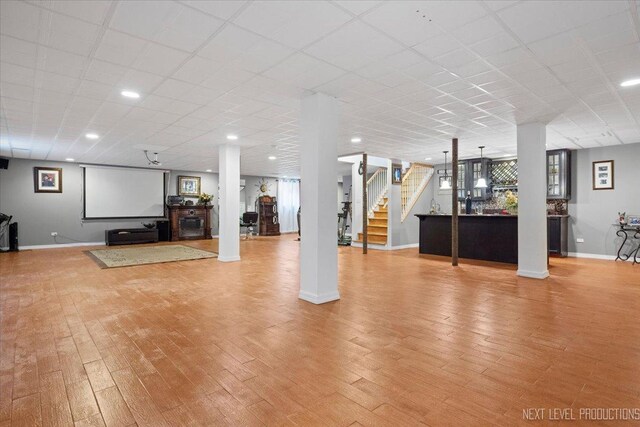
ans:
x=13 y=237
x=4 y=163
x=164 y=231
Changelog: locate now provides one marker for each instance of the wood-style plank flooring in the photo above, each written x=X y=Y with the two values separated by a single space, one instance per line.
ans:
x=412 y=340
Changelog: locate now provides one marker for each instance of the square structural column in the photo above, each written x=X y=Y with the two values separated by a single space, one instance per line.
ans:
x=229 y=232
x=532 y=201
x=318 y=173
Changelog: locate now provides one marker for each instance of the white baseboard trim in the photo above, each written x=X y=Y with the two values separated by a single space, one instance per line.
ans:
x=533 y=274
x=228 y=258
x=374 y=246
x=407 y=246
x=319 y=299
x=385 y=247
x=60 y=245
x=593 y=256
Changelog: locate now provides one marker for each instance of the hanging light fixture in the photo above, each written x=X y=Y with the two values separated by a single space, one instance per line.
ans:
x=482 y=183
x=446 y=185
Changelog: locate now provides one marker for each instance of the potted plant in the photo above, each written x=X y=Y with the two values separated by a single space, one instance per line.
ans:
x=511 y=202
x=205 y=199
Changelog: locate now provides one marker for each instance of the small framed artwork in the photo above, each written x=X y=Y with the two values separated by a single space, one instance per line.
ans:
x=396 y=174
x=189 y=186
x=603 y=175
x=633 y=220
x=47 y=180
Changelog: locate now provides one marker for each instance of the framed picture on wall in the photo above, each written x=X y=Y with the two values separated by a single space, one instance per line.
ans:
x=47 y=180
x=603 y=175
x=189 y=186
x=396 y=174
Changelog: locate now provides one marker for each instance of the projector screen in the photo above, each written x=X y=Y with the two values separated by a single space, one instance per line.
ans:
x=113 y=192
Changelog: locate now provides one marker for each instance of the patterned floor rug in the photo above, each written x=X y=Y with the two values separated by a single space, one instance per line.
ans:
x=125 y=257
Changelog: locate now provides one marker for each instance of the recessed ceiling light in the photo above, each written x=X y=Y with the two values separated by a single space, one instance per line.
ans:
x=232 y=137
x=507 y=155
x=631 y=82
x=284 y=176
x=272 y=157
x=356 y=139
x=69 y=159
x=427 y=158
x=209 y=170
x=91 y=136
x=130 y=94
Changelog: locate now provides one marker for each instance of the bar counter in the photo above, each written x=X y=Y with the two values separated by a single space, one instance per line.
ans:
x=484 y=237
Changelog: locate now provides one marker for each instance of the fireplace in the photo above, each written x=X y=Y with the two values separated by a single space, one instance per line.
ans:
x=191 y=226
x=190 y=222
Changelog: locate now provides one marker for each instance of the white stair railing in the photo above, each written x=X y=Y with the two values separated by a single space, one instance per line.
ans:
x=413 y=184
x=376 y=189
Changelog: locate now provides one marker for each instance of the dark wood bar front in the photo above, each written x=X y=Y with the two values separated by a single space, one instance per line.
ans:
x=484 y=237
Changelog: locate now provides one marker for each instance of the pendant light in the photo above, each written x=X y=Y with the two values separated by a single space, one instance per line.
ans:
x=445 y=183
x=482 y=183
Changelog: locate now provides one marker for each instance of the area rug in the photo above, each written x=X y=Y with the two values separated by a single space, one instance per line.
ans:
x=125 y=257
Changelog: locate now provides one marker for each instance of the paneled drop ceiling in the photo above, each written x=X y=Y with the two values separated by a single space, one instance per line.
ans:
x=410 y=76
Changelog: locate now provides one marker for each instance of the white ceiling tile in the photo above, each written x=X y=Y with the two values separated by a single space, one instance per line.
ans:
x=120 y=48
x=188 y=29
x=172 y=88
x=231 y=43
x=455 y=58
x=224 y=9
x=20 y=19
x=295 y=24
x=250 y=81
x=93 y=11
x=358 y=7
x=159 y=59
x=64 y=63
x=404 y=21
x=555 y=17
x=105 y=72
x=12 y=73
x=353 y=46
x=137 y=81
x=452 y=15
x=303 y=71
x=144 y=19
x=72 y=35
x=18 y=52
x=197 y=69
x=438 y=46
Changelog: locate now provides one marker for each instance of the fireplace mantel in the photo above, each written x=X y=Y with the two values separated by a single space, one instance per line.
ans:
x=190 y=222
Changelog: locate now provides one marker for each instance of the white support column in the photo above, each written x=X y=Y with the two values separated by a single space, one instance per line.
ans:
x=229 y=167
x=532 y=201
x=318 y=171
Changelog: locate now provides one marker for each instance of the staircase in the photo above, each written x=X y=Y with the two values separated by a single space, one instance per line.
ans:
x=377 y=187
x=414 y=181
x=377 y=228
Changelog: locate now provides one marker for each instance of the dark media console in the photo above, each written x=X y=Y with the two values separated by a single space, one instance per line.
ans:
x=130 y=236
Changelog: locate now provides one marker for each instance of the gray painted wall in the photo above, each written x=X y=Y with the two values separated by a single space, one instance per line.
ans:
x=593 y=212
x=38 y=214
x=407 y=232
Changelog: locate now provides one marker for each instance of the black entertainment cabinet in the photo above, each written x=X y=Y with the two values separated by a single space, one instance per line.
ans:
x=130 y=236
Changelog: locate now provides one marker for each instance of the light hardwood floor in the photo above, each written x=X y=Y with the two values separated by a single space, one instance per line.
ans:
x=411 y=341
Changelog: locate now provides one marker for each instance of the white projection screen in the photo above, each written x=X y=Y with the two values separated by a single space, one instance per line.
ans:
x=116 y=192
